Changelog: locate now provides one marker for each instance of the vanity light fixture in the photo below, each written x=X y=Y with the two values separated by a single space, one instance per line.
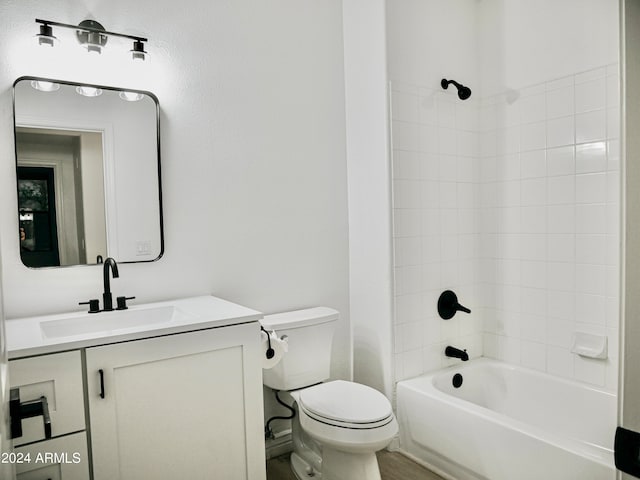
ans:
x=91 y=35
x=89 y=91
x=45 y=37
x=131 y=96
x=45 y=86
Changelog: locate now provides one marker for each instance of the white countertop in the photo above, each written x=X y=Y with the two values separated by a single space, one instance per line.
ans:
x=25 y=336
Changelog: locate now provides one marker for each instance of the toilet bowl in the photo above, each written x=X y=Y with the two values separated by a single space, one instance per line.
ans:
x=338 y=425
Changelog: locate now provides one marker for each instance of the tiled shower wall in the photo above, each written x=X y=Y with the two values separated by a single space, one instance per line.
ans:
x=512 y=201
x=436 y=211
x=550 y=196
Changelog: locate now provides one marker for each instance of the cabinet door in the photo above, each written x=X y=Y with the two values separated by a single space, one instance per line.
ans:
x=180 y=406
x=63 y=458
x=57 y=377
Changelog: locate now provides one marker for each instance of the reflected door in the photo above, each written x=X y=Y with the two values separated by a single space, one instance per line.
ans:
x=37 y=212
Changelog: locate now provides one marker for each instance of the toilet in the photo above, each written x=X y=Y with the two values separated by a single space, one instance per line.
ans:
x=338 y=425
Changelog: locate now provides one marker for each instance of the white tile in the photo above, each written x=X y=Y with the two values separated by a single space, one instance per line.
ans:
x=509 y=349
x=613 y=90
x=533 y=136
x=559 y=333
x=561 y=247
x=509 y=166
x=534 y=355
x=408 y=308
x=613 y=154
x=560 y=161
x=429 y=221
x=591 y=249
x=559 y=362
x=406 y=222
x=561 y=305
x=448 y=168
x=561 y=190
x=534 y=274
x=591 y=308
x=591 y=95
x=591 y=157
x=533 y=219
x=428 y=194
x=468 y=143
x=446 y=112
x=431 y=249
x=534 y=301
x=591 y=279
x=533 y=328
x=613 y=123
x=427 y=139
x=408 y=251
x=591 y=126
x=560 y=131
x=591 y=218
x=591 y=188
x=613 y=187
x=405 y=136
x=512 y=247
x=561 y=218
x=448 y=248
x=447 y=141
x=534 y=246
x=466 y=116
x=432 y=357
x=427 y=113
x=467 y=168
x=406 y=165
x=559 y=83
x=404 y=107
x=490 y=342
x=407 y=280
x=431 y=276
x=561 y=276
x=532 y=108
x=448 y=192
x=406 y=194
x=412 y=363
x=560 y=102
x=534 y=191
x=412 y=335
x=533 y=164
x=429 y=168
x=590 y=75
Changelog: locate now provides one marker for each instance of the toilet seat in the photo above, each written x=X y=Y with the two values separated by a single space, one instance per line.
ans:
x=346 y=404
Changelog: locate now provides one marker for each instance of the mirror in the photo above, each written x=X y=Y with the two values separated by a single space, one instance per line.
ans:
x=88 y=173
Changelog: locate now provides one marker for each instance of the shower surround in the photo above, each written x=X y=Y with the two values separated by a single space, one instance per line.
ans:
x=511 y=197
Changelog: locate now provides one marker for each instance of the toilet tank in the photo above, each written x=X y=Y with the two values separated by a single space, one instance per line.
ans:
x=309 y=335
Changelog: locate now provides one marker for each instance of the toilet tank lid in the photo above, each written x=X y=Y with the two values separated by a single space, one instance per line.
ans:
x=300 y=318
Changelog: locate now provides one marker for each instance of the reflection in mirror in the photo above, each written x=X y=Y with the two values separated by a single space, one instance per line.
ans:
x=88 y=172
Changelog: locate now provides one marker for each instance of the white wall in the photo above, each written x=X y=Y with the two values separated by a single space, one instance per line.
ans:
x=253 y=150
x=369 y=192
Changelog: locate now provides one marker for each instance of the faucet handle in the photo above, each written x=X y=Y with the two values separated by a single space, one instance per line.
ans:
x=122 y=302
x=94 y=305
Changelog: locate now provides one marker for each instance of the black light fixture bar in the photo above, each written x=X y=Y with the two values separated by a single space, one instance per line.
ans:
x=90 y=29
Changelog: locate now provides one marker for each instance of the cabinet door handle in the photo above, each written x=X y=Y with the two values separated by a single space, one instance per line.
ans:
x=32 y=408
x=101 y=372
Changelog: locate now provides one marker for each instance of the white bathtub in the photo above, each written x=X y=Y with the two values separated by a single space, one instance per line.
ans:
x=507 y=423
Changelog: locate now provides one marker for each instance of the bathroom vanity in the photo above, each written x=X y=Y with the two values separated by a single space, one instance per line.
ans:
x=166 y=390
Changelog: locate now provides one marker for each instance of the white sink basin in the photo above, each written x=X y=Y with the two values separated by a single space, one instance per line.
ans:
x=110 y=321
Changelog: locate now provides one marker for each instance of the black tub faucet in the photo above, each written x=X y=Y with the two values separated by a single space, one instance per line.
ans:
x=107 y=299
x=456 y=353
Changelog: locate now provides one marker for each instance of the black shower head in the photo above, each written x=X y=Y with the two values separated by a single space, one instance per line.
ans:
x=463 y=92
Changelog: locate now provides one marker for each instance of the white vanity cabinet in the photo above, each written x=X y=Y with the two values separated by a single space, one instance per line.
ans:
x=178 y=406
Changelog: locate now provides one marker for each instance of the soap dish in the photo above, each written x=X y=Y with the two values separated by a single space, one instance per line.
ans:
x=588 y=345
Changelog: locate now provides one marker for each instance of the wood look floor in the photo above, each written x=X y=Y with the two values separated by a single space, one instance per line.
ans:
x=393 y=466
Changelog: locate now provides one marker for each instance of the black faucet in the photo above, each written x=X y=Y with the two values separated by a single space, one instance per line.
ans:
x=456 y=353
x=107 y=299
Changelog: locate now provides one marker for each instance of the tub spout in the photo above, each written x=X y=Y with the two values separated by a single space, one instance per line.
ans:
x=456 y=353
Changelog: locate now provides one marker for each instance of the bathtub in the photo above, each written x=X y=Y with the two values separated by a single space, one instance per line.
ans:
x=507 y=423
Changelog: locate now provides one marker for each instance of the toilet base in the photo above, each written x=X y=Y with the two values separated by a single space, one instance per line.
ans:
x=337 y=465
x=302 y=470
